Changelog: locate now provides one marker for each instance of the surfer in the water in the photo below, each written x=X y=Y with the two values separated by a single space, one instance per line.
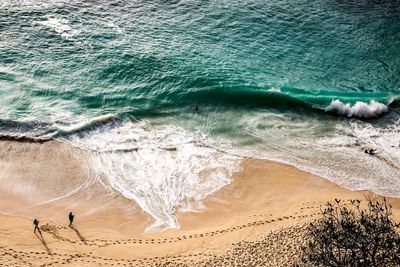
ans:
x=370 y=151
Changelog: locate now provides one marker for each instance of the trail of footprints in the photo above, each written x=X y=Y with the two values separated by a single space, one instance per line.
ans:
x=31 y=258
x=110 y=242
x=11 y=257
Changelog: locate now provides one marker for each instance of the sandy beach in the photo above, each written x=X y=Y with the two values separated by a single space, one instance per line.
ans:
x=257 y=220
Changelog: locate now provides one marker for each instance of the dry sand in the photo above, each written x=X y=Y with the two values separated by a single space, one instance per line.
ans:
x=258 y=220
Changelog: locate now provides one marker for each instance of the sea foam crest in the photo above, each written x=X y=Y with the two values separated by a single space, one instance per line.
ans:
x=162 y=168
x=274 y=90
x=30 y=4
x=359 y=109
x=61 y=26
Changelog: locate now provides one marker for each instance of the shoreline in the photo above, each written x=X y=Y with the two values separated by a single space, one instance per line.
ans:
x=268 y=203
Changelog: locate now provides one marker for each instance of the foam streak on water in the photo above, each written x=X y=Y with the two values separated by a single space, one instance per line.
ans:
x=61 y=26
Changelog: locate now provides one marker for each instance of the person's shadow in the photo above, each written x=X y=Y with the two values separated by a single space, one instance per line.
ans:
x=41 y=238
x=79 y=234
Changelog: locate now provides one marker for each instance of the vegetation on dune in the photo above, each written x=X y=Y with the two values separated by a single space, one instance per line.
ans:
x=350 y=235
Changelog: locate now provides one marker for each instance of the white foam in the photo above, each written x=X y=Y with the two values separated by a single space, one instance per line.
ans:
x=274 y=90
x=61 y=26
x=331 y=149
x=30 y=4
x=359 y=109
x=161 y=168
x=78 y=123
x=386 y=140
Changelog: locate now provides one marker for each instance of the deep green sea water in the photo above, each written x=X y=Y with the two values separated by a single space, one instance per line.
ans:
x=164 y=90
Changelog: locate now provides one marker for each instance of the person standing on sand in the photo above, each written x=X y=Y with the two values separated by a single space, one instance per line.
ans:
x=36 y=224
x=71 y=218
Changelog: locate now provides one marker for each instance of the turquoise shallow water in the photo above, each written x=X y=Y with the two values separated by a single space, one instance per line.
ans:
x=262 y=73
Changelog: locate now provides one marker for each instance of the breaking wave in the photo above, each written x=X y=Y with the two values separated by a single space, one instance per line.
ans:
x=372 y=109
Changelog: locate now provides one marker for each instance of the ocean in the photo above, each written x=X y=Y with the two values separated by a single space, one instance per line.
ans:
x=169 y=96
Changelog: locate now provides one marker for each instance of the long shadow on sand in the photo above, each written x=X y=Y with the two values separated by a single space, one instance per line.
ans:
x=79 y=234
x=41 y=238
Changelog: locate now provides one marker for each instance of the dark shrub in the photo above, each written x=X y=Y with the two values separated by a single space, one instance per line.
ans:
x=353 y=236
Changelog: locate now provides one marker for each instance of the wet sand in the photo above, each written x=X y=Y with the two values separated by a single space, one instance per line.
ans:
x=257 y=220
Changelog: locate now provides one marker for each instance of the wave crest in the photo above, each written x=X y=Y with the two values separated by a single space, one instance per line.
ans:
x=360 y=109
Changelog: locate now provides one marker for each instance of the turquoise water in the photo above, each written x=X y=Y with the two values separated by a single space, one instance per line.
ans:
x=263 y=75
